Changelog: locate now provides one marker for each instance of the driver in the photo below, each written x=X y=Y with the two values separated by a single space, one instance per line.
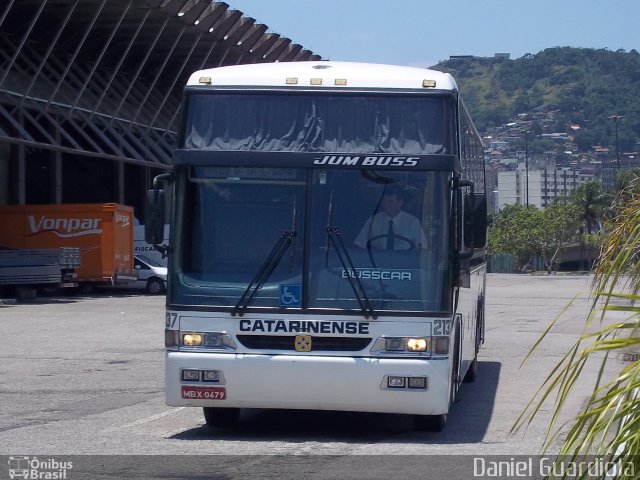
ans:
x=392 y=228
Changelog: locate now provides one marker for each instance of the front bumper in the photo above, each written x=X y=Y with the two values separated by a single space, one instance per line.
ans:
x=312 y=382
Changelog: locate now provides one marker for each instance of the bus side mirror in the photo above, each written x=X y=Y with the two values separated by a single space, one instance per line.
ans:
x=154 y=217
x=468 y=223
x=479 y=220
x=475 y=220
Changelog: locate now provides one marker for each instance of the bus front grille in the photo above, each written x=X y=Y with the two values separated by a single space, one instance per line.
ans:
x=318 y=344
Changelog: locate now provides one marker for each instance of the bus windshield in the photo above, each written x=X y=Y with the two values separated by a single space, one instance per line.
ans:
x=319 y=122
x=314 y=239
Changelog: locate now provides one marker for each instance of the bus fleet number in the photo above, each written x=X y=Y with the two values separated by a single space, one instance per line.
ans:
x=171 y=319
x=441 y=327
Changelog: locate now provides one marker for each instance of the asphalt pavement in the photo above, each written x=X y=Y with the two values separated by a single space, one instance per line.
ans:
x=83 y=375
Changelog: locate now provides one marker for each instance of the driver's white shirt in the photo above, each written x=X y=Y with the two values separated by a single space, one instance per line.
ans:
x=404 y=225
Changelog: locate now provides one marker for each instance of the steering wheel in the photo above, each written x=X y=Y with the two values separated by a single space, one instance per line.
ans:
x=410 y=243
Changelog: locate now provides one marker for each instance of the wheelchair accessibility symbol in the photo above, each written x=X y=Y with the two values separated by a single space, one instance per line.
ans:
x=290 y=295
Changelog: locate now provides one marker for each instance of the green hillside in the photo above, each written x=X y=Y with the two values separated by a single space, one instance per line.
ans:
x=583 y=86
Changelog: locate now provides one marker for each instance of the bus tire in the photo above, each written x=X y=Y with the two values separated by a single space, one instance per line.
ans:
x=472 y=372
x=220 y=417
x=436 y=423
x=455 y=367
x=430 y=423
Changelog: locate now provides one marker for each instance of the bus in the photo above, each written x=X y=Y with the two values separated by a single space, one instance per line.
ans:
x=284 y=292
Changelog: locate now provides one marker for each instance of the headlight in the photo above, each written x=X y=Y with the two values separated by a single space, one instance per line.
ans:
x=430 y=346
x=192 y=339
x=417 y=344
x=402 y=344
x=217 y=340
x=400 y=382
x=394 y=344
x=396 y=382
x=213 y=340
x=210 y=376
x=190 y=375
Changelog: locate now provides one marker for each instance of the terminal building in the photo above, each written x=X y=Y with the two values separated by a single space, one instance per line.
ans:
x=90 y=90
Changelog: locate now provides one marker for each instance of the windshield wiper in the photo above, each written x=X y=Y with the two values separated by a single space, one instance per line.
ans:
x=345 y=260
x=264 y=272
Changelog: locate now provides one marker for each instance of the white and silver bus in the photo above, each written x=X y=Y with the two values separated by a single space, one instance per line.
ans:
x=328 y=232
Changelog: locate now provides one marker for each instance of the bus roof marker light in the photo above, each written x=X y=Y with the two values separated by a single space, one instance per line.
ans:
x=340 y=82
x=316 y=81
x=205 y=80
x=291 y=81
x=428 y=84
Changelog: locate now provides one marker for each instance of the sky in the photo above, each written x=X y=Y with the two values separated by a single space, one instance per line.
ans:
x=423 y=32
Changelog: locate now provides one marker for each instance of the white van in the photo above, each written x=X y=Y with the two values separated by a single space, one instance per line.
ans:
x=140 y=247
x=151 y=275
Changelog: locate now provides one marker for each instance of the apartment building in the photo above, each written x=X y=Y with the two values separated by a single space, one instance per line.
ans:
x=539 y=187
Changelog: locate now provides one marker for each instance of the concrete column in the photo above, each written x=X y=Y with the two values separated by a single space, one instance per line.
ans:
x=22 y=175
x=57 y=169
x=5 y=152
x=121 y=182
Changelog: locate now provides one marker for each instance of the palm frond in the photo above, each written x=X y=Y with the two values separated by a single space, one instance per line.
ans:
x=608 y=424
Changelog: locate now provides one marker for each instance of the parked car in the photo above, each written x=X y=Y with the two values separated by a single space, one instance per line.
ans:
x=152 y=276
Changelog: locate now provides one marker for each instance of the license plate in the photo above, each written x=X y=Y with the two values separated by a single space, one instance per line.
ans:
x=204 y=393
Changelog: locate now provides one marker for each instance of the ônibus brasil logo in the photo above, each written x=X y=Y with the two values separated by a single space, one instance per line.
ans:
x=33 y=468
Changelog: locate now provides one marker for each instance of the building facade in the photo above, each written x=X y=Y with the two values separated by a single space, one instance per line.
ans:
x=537 y=187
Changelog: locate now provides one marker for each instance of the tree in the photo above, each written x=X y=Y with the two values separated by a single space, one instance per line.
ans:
x=525 y=232
x=558 y=228
x=607 y=425
x=591 y=201
x=514 y=231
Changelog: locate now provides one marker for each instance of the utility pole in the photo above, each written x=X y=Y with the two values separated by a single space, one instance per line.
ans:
x=526 y=165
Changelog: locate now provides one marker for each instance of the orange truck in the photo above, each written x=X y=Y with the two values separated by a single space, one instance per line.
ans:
x=102 y=232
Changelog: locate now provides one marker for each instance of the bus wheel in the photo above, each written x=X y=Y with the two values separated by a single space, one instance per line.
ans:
x=436 y=423
x=455 y=368
x=430 y=423
x=472 y=373
x=220 y=417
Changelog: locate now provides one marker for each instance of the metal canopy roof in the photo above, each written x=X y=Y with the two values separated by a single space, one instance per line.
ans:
x=104 y=78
